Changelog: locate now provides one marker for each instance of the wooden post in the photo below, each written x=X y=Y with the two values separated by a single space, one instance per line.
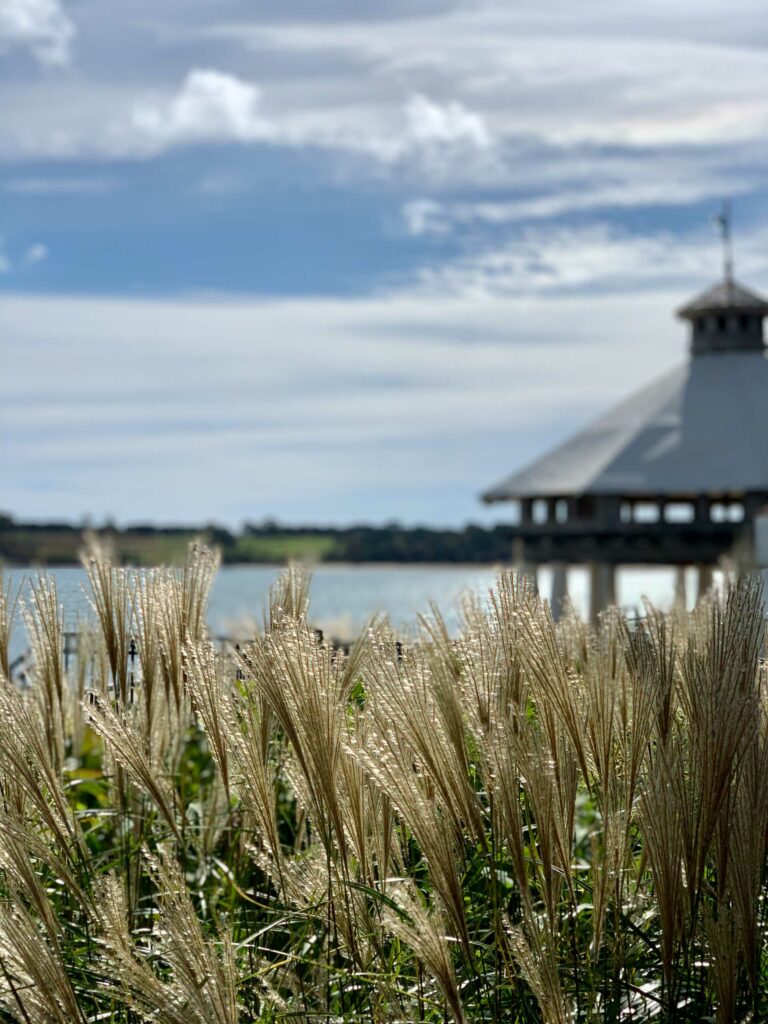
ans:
x=523 y=567
x=681 y=597
x=705 y=581
x=559 y=589
x=702 y=509
x=602 y=590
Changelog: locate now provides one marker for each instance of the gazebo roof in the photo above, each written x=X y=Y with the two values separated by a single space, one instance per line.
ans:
x=702 y=429
x=724 y=296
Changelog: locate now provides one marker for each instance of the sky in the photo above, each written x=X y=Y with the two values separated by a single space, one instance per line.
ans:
x=332 y=261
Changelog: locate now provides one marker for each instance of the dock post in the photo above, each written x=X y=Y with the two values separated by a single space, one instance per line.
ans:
x=524 y=568
x=559 y=589
x=602 y=589
x=705 y=581
x=681 y=596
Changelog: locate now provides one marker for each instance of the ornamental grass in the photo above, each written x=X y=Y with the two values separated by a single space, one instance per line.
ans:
x=524 y=821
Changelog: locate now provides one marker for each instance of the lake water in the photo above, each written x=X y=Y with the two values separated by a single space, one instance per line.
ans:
x=344 y=597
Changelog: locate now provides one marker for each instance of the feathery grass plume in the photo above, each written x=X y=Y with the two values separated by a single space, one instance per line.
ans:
x=110 y=598
x=205 y=969
x=369 y=817
x=22 y=844
x=171 y=636
x=163 y=704
x=200 y=975
x=399 y=771
x=23 y=882
x=425 y=931
x=494 y=694
x=209 y=818
x=209 y=693
x=125 y=967
x=534 y=952
x=550 y=779
x=661 y=820
x=128 y=748
x=608 y=710
x=445 y=670
x=514 y=602
x=503 y=783
x=34 y=985
x=180 y=606
x=483 y=664
x=9 y=599
x=307 y=685
x=721 y=933
x=719 y=696
x=45 y=627
x=197 y=576
x=554 y=682
x=288 y=597
x=145 y=600
x=647 y=699
x=29 y=772
x=33 y=903
x=746 y=831
x=602 y=680
x=252 y=773
x=408 y=692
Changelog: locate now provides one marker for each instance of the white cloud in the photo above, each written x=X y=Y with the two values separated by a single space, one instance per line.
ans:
x=209 y=106
x=428 y=216
x=596 y=257
x=33 y=254
x=444 y=124
x=36 y=253
x=656 y=77
x=213 y=106
x=481 y=95
x=40 y=25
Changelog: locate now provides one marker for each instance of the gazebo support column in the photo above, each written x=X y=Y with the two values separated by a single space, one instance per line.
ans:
x=559 y=589
x=681 y=596
x=705 y=581
x=602 y=588
x=524 y=568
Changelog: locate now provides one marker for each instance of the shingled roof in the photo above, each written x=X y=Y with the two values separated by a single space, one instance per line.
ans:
x=726 y=295
x=702 y=429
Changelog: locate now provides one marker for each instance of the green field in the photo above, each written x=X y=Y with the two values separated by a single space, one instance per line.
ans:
x=281 y=548
x=60 y=547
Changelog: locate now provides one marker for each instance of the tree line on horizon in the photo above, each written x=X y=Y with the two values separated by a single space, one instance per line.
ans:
x=267 y=542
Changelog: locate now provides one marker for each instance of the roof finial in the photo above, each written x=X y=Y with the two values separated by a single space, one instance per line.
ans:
x=723 y=222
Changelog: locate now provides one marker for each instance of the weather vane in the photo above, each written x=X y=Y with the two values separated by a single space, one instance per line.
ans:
x=723 y=222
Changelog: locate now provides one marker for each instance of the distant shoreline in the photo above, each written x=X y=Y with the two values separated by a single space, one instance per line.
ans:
x=14 y=567
x=269 y=544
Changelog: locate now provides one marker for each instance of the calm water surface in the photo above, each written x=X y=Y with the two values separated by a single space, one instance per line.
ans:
x=344 y=597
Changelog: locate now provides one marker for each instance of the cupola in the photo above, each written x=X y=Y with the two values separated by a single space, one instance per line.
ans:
x=726 y=318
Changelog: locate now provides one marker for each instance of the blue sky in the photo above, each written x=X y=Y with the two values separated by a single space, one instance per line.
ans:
x=335 y=261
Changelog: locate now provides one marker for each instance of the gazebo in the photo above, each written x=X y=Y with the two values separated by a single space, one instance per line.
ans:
x=673 y=476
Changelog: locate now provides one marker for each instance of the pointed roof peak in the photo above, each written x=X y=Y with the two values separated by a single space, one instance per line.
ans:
x=725 y=295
